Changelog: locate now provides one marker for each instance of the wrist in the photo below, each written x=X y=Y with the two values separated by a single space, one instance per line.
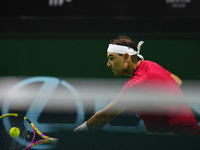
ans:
x=82 y=128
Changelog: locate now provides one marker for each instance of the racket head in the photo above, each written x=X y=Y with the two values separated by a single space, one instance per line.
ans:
x=27 y=133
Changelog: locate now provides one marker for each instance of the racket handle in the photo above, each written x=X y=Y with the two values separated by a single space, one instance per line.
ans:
x=53 y=140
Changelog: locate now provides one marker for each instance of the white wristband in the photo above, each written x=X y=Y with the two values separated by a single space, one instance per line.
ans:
x=82 y=128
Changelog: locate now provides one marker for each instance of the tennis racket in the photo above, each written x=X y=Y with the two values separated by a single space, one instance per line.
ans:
x=27 y=136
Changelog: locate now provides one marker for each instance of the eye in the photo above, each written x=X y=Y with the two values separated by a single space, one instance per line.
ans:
x=110 y=58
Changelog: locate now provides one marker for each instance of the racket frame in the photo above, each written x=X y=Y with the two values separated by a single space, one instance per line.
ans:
x=46 y=139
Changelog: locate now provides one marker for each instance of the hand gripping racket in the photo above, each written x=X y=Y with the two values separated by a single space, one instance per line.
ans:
x=27 y=136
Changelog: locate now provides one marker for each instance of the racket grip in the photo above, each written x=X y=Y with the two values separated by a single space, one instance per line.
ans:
x=53 y=140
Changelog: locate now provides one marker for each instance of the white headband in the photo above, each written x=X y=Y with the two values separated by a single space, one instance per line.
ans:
x=124 y=49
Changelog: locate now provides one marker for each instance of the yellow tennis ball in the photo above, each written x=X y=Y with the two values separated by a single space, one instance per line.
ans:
x=14 y=132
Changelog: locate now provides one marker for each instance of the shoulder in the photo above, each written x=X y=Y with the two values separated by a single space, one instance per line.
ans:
x=145 y=65
x=153 y=68
x=149 y=64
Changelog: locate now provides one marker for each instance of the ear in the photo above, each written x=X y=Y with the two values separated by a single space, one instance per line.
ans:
x=126 y=56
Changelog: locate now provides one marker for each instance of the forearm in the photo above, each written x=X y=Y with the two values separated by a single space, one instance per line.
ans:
x=97 y=121
x=102 y=117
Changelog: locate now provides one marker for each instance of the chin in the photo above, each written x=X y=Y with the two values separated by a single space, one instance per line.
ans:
x=117 y=74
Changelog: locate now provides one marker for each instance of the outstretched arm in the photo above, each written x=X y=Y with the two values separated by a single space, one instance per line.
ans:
x=177 y=79
x=102 y=117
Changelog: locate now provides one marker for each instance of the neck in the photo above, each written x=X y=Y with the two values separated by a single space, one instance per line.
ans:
x=132 y=68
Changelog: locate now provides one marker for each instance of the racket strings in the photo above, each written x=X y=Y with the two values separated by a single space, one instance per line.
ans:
x=9 y=143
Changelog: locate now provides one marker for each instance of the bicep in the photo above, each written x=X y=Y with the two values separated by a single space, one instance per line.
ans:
x=177 y=79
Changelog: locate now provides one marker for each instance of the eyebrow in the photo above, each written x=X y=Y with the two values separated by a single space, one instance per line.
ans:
x=109 y=55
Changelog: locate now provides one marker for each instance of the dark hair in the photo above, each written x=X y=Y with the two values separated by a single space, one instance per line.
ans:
x=126 y=41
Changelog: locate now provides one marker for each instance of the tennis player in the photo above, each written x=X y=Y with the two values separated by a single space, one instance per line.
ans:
x=152 y=92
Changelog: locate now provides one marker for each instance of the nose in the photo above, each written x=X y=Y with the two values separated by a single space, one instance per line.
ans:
x=108 y=64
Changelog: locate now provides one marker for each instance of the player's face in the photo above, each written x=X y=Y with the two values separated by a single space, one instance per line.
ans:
x=116 y=63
